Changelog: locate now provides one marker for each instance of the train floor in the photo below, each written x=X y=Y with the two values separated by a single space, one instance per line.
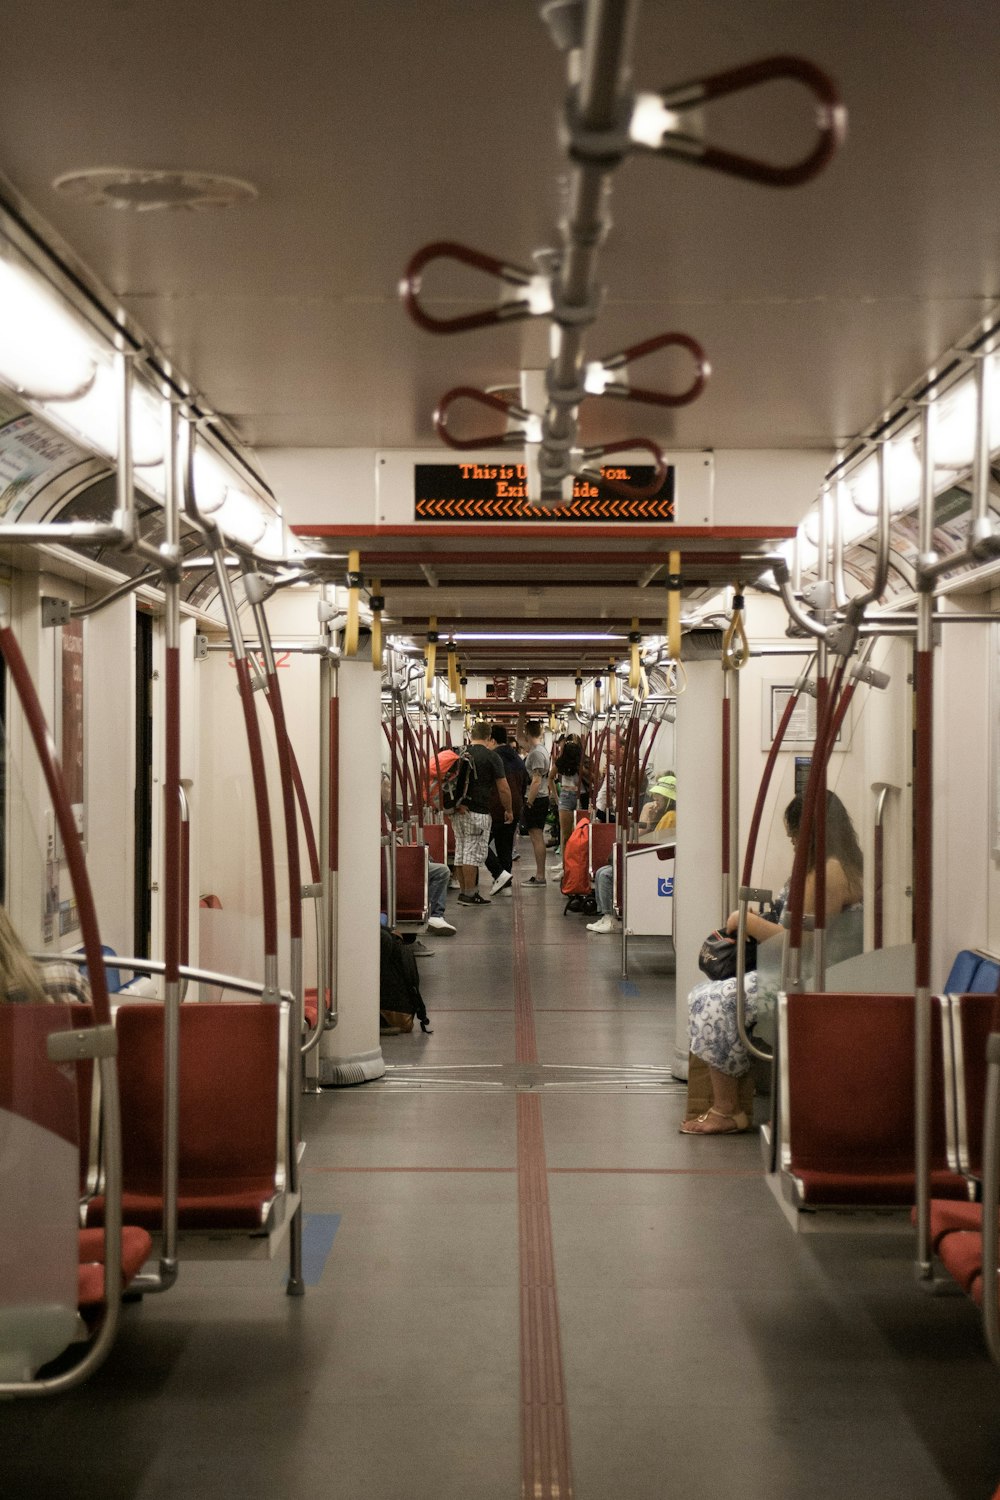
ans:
x=524 y=1282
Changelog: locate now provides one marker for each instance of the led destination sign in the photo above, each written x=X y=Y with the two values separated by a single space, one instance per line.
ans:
x=497 y=492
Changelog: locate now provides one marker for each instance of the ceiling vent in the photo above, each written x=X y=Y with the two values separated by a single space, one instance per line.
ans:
x=154 y=191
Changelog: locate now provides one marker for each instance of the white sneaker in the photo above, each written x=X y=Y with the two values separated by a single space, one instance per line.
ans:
x=453 y=884
x=557 y=873
x=438 y=924
x=606 y=923
x=502 y=879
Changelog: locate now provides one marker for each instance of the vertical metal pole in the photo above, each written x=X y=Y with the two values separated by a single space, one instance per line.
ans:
x=923 y=848
x=327 y=794
x=727 y=789
x=171 y=858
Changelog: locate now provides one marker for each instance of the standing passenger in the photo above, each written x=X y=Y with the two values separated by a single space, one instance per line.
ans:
x=500 y=862
x=472 y=815
x=536 y=798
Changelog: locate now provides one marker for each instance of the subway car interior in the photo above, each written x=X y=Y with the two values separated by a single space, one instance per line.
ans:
x=500 y=723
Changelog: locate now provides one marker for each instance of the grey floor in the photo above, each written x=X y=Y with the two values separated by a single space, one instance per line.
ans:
x=707 y=1349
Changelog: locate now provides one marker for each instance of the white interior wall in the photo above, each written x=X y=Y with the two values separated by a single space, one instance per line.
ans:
x=963 y=859
x=109 y=682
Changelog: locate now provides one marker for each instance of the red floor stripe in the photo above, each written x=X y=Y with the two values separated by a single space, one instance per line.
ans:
x=546 y=1468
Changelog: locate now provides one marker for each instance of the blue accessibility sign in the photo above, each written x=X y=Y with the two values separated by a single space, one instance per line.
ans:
x=665 y=886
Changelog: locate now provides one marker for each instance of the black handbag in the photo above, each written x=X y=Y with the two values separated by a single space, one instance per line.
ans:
x=717 y=958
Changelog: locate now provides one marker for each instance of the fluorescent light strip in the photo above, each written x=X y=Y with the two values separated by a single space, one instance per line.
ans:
x=523 y=636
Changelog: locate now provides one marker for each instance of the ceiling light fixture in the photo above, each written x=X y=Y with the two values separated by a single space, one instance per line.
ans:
x=490 y=635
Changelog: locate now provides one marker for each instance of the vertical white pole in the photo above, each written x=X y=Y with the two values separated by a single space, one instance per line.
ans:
x=698 y=867
x=351 y=1053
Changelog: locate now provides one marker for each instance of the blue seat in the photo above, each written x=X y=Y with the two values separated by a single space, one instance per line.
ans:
x=986 y=979
x=962 y=973
x=114 y=976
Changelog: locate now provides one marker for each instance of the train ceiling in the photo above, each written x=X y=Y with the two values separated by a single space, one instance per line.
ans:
x=369 y=130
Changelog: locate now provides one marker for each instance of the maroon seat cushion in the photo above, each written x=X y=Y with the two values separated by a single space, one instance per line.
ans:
x=136 y=1249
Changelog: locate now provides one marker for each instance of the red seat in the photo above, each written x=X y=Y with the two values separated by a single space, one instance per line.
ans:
x=436 y=839
x=961 y=1253
x=137 y=1247
x=232 y=1141
x=412 y=903
x=974 y=1017
x=602 y=841
x=848 y=1131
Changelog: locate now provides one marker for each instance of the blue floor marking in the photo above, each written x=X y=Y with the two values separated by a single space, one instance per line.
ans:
x=628 y=987
x=318 y=1232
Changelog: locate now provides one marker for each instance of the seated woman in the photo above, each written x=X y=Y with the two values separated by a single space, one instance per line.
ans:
x=659 y=814
x=25 y=982
x=712 y=1005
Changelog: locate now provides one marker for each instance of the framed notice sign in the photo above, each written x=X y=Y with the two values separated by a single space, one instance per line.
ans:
x=490 y=491
x=801 y=727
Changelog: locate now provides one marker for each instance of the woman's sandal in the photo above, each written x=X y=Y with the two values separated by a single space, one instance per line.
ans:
x=735 y=1124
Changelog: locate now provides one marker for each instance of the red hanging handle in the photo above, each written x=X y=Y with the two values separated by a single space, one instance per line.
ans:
x=831 y=120
x=506 y=439
x=649 y=346
x=503 y=312
x=617 y=486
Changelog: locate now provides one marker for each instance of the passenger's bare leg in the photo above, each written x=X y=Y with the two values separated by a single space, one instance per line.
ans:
x=537 y=836
x=566 y=819
x=466 y=878
x=724 y=1116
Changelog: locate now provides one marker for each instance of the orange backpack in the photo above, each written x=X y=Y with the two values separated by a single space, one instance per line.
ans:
x=576 y=861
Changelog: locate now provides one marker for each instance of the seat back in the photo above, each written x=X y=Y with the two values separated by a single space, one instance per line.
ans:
x=436 y=839
x=962 y=972
x=39 y=1187
x=986 y=979
x=848 y=1102
x=602 y=841
x=412 y=900
x=233 y=1098
x=974 y=1017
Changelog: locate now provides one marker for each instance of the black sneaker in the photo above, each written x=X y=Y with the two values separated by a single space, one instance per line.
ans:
x=474 y=900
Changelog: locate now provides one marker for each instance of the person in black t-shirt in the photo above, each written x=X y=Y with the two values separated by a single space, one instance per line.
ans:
x=500 y=859
x=472 y=820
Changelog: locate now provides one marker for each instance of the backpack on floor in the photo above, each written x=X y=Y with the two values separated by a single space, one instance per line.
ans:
x=575 y=881
x=399 y=999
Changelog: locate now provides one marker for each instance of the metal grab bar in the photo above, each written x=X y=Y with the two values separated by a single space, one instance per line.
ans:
x=623 y=390
x=831 y=120
x=509 y=438
x=504 y=312
x=203 y=976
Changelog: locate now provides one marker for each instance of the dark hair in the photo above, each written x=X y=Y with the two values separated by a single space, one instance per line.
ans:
x=534 y=728
x=841 y=839
x=568 y=758
x=498 y=733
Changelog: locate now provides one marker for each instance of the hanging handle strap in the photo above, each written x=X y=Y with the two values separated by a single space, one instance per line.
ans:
x=512 y=438
x=617 y=486
x=532 y=297
x=599 y=378
x=831 y=121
